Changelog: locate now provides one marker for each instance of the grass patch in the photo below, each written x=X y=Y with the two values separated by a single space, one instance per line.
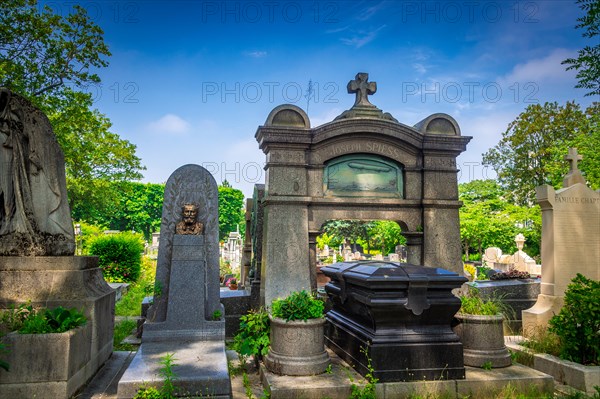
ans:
x=123 y=329
x=543 y=341
x=131 y=303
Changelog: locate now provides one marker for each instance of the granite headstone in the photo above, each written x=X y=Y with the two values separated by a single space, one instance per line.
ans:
x=187 y=318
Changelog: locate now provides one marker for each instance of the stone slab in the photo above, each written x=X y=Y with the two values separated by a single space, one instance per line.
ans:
x=105 y=382
x=482 y=383
x=338 y=383
x=236 y=303
x=200 y=368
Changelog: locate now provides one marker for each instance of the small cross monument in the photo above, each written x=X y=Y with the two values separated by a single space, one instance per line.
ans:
x=362 y=88
x=574 y=176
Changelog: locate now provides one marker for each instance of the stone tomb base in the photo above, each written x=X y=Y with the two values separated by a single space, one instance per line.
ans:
x=56 y=365
x=200 y=369
x=478 y=383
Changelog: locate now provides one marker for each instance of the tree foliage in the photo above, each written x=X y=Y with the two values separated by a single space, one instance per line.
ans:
x=587 y=63
x=41 y=51
x=47 y=58
x=488 y=219
x=231 y=210
x=532 y=148
x=95 y=157
x=382 y=235
x=139 y=209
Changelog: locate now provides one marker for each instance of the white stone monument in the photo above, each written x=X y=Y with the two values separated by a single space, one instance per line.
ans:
x=570 y=241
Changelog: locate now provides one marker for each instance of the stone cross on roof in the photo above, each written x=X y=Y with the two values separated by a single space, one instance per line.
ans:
x=362 y=88
x=574 y=176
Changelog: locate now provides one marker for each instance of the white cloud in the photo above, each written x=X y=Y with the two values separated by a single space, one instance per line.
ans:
x=170 y=124
x=327 y=117
x=539 y=69
x=255 y=54
x=362 y=38
x=419 y=68
x=368 y=12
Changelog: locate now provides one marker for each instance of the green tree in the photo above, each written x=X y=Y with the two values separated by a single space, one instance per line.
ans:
x=488 y=219
x=587 y=63
x=140 y=208
x=385 y=235
x=41 y=51
x=95 y=157
x=48 y=58
x=351 y=230
x=231 y=210
x=532 y=148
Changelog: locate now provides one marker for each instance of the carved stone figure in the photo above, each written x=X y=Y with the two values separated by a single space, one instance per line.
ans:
x=35 y=218
x=189 y=225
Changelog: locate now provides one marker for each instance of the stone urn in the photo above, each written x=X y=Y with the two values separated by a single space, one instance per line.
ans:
x=297 y=347
x=483 y=340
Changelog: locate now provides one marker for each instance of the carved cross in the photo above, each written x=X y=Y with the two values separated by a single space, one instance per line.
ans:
x=573 y=157
x=362 y=88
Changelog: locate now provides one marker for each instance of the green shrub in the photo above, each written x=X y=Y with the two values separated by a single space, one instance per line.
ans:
x=472 y=303
x=578 y=323
x=119 y=256
x=298 y=306
x=52 y=321
x=253 y=336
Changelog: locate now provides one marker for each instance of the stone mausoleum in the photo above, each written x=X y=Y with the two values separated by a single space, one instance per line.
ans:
x=363 y=165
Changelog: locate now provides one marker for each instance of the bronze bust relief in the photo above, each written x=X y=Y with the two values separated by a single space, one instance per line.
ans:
x=189 y=225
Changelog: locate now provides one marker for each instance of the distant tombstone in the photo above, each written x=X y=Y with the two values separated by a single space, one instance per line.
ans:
x=378 y=257
x=394 y=257
x=155 y=239
x=492 y=255
x=570 y=220
x=35 y=219
x=187 y=270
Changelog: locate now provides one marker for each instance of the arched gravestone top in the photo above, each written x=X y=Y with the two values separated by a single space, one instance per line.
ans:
x=439 y=124
x=288 y=115
x=35 y=219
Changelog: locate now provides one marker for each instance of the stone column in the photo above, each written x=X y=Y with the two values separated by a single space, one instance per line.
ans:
x=286 y=259
x=312 y=247
x=414 y=247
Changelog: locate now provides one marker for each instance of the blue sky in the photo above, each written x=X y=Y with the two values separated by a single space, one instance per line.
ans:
x=190 y=81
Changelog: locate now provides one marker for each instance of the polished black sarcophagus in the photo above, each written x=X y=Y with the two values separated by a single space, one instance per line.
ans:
x=397 y=314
